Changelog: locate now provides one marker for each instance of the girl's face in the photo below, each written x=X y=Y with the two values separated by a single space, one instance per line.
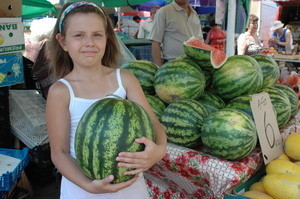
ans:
x=85 y=39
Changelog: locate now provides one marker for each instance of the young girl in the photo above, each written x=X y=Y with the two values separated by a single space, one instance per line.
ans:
x=84 y=49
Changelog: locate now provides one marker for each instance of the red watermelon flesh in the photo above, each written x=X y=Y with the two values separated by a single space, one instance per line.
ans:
x=217 y=57
x=195 y=42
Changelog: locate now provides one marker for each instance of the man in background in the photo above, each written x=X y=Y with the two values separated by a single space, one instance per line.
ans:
x=173 y=24
x=137 y=20
x=146 y=26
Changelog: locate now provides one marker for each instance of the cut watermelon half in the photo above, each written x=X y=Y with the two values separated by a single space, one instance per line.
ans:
x=217 y=57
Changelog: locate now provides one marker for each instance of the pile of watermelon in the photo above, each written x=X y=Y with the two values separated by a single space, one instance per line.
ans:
x=205 y=89
x=202 y=98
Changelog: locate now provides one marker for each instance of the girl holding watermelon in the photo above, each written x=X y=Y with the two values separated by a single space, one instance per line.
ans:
x=84 y=50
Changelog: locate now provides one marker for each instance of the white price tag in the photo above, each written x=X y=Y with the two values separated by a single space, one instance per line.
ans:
x=267 y=128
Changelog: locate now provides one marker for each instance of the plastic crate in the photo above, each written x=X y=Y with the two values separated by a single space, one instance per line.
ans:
x=28 y=139
x=9 y=178
x=27 y=111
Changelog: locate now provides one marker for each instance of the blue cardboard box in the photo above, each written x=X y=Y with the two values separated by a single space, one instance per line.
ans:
x=11 y=69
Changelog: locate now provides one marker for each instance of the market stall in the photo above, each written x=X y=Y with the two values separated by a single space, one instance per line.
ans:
x=185 y=173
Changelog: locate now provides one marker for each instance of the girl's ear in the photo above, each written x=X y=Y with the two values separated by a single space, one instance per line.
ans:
x=61 y=40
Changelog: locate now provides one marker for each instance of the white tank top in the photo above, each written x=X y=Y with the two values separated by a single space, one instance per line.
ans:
x=69 y=190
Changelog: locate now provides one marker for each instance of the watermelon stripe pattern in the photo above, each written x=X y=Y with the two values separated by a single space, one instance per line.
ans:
x=144 y=71
x=177 y=80
x=281 y=103
x=240 y=75
x=157 y=105
x=292 y=95
x=200 y=55
x=241 y=103
x=211 y=102
x=269 y=68
x=107 y=128
x=229 y=134
x=183 y=120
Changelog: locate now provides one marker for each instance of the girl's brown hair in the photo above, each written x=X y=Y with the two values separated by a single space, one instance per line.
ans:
x=60 y=61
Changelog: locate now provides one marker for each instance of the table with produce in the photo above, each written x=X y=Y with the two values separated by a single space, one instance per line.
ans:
x=292 y=56
x=203 y=101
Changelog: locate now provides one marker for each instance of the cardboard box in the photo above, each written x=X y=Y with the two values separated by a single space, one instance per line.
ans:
x=10 y=8
x=11 y=35
x=11 y=69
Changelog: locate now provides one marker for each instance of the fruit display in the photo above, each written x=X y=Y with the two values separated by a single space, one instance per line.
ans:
x=98 y=133
x=222 y=139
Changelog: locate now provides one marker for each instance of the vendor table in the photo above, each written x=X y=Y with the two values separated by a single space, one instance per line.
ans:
x=288 y=60
x=294 y=63
x=140 y=48
x=185 y=173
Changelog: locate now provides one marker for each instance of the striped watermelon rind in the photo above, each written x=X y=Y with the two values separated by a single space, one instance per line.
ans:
x=240 y=75
x=144 y=71
x=281 y=104
x=229 y=133
x=107 y=128
x=183 y=120
x=178 y=79
x=211 y=102
x=157 y=105
x=269 y=68
x=292 y=95
x=241 y=103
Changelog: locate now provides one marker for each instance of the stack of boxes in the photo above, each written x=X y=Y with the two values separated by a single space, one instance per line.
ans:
x=11 y=61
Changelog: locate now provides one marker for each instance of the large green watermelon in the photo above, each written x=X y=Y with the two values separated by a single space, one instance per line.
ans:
x=183 y=120
x=240 y=75
x=206 y=55
x=241 y=103
x=157 y=105
x=144 y=71
x=229 y=133
x=211 y=102
x=177 y=80
x=107 y=128
x=281 y=103
x=292 y=95
x=269 y=68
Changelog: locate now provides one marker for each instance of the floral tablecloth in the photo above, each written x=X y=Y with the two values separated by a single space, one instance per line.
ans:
x=185 y=173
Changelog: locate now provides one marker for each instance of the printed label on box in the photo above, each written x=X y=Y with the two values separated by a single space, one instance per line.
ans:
x=11 y=69
x=11 y=35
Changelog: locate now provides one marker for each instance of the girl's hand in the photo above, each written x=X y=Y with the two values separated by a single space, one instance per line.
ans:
x=141 y=161
x=105 y=186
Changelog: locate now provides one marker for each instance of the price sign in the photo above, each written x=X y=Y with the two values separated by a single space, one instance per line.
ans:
x=267 y=127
